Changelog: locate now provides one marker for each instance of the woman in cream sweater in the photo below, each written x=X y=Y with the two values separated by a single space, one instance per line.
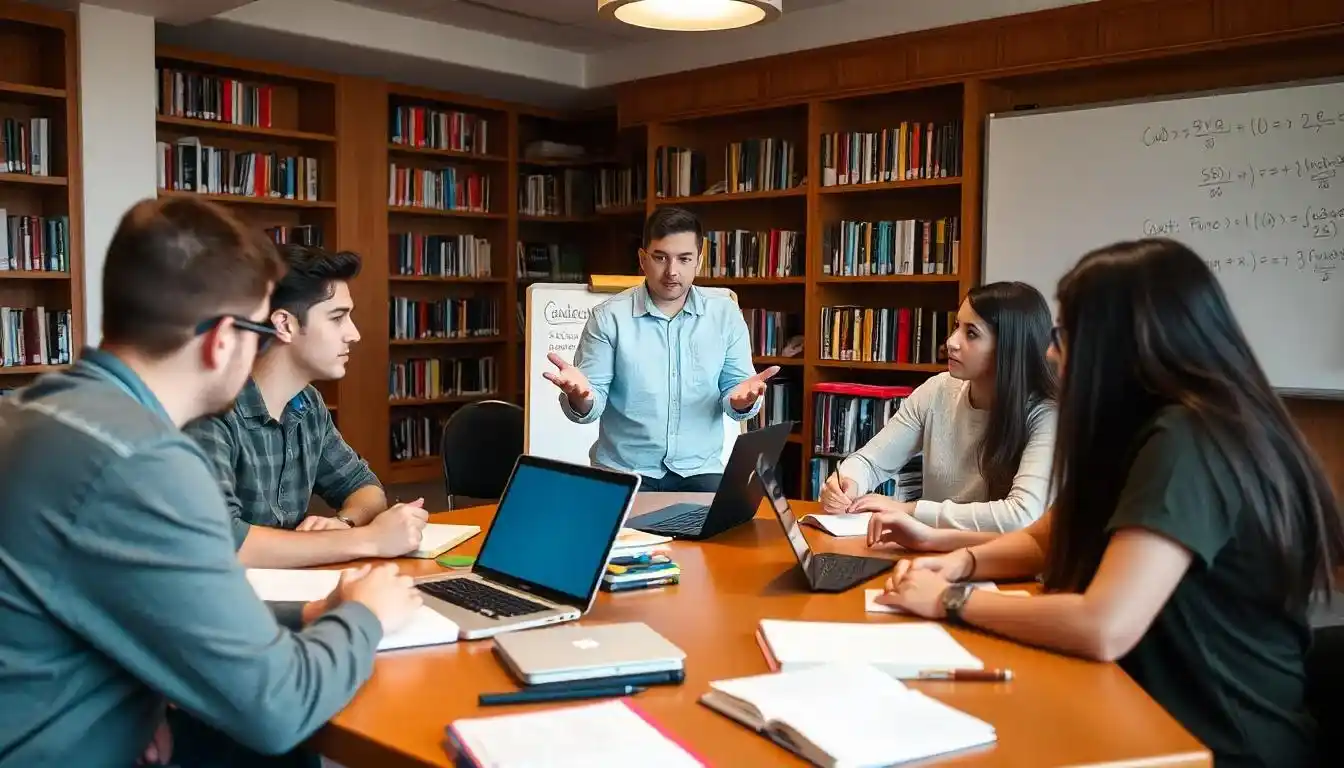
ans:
x=986 y=429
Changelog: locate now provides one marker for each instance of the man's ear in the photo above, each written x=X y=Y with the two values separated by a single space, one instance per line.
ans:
x=286 y=325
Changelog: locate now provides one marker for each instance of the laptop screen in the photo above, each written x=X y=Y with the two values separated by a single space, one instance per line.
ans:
x=554 y=528
x=792 y=530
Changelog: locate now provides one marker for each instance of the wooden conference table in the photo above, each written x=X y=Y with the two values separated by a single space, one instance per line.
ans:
x=1056 y=711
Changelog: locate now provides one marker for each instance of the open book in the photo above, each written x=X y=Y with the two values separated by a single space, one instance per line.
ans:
x=839 y=525
x=901 y=650
x=613 y=732
x=845 y=715
x=280 y=585
x=438 y=538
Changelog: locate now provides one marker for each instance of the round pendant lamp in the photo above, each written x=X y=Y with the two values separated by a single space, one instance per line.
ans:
x=690 y=15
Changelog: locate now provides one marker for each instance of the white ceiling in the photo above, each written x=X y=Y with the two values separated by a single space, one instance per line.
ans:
x=568 y=24
x=554 y=53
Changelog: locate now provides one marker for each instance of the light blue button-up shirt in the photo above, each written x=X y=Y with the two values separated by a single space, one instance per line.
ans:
x=660 y=386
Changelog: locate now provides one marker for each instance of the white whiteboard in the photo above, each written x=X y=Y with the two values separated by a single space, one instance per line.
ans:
x=1253 y=181
x=556 y=313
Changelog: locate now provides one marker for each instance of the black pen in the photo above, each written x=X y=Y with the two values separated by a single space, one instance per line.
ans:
x=559 y=694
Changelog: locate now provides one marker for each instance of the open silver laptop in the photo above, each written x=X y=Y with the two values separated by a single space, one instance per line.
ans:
x=586 y=652
x=544 y=555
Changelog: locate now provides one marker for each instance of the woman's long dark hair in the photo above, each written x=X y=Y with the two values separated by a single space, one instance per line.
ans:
x=1145 y=325
x=1023 y=377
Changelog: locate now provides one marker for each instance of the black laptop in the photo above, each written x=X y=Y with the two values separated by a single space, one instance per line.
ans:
x=735 y=501
x=828 y=571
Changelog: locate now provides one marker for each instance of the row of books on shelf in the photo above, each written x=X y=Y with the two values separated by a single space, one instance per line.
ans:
x=885 y=334
x=444 y=189
x=25 y=146
x=34 y=336
x=189 y=166
x=299 y=234
x=620 y=187
x=429 y=128
x=908 y=151
x=200 y=96
x=440 y=255
x=903 y=247
x=34 y=243
x=431 y=378
x=567 y=193
x=783 y=401
x=743 y=253
x=906 y=486
x=845 y=417
x=557 y=262
x=416 y=437
x=758 y=165
x=772 y=331
x=678 y=172
x=443 y=319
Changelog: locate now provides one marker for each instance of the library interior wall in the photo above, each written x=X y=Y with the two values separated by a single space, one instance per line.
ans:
x=116 y=63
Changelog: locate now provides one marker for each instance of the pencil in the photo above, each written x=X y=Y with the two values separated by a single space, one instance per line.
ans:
x=968 y=675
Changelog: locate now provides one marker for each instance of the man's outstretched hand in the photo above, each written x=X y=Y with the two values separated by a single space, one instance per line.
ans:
x=744 y=395
x=572 y=382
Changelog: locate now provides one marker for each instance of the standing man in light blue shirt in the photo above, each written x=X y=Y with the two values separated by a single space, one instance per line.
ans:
x=660 y=364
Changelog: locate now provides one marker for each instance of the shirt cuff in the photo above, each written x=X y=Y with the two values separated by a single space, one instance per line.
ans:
x=575 y=416
x=240 y=531
x=737 y=415
x=362 y=622
x=928 y=512
x=288 y=613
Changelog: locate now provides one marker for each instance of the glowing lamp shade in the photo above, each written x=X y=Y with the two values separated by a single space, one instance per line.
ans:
x=690 y=15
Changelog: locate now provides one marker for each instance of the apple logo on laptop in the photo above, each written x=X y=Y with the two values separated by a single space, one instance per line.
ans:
x=585 y=644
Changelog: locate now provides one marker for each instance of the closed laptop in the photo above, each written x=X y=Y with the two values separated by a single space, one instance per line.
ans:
x=586 y=652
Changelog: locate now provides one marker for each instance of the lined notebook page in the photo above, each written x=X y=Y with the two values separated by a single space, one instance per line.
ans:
x=856 y=715
x=901 y=650
x=607 y=733
x=839 y=525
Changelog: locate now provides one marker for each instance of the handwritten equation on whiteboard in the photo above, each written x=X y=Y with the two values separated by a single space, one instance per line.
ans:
x=1212 y=131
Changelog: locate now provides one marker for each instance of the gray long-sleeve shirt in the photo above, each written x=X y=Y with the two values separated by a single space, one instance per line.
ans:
x=120 y=588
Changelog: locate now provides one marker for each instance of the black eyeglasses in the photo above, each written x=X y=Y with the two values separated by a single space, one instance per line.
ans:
x=265 y=330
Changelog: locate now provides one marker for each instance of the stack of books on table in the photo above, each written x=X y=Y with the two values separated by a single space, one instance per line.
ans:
x=640 y=560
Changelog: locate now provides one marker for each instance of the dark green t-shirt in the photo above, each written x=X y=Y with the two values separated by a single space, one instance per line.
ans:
x=1223 y=656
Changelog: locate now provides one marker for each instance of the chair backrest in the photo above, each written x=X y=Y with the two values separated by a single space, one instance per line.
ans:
x=480 y=444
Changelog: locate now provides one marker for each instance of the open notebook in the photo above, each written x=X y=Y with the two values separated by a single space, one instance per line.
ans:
x=839 y=525
x=426 y=627
x=438 y=538
x=901 y=650
x=846 y=716
x=613 y=732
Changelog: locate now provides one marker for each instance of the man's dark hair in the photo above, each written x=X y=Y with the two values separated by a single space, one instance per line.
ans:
x=311 y=279
x=670 y=220
x=175 y=263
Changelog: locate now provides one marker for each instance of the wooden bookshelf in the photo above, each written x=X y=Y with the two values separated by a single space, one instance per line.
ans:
x=214 y=112
x=41 y=247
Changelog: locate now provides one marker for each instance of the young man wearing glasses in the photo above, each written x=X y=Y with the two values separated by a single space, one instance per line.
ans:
x=120 y=590
x=660 y=364
x=278 y=445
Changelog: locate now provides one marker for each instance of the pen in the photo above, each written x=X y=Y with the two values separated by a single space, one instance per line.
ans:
x=561 y=694
x=968 y=675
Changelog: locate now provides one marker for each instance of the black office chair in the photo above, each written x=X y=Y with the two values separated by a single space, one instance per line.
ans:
x=480 y=444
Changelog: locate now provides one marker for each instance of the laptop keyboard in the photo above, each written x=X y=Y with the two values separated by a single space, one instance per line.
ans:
x=481 y=597
x=840 y=568
x=688 y=522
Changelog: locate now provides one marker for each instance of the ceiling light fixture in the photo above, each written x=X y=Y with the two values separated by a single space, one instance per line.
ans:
x=690 y=15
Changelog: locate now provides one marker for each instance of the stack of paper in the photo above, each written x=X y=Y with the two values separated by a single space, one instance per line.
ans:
x=609 y=733
x=847 y=715
x=632 y=543
x=438 y=538
x=901 y=650
x=426 y=627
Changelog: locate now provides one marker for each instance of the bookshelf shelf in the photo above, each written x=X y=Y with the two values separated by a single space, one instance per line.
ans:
x=767 y=360
x=41 y=197
x=755 y=282
x=219 y=127
x=419 y=402
x=622 y=210
x=407 y=150
x=883 y=186
x=23 y=91
x=30 y=179
x=277 y=202
x=447 y=279
x=734 y=197
x=458 y=213
x=557 y=219
x=436 y=342
x=567 y=162
x=863 y=279
x=872 y=366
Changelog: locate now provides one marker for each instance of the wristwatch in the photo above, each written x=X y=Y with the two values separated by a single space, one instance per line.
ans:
x=954 y=599
x=346 y=520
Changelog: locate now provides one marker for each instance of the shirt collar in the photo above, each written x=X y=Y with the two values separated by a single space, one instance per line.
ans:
x=643 y=302
x=110 y=367
x=251 y=406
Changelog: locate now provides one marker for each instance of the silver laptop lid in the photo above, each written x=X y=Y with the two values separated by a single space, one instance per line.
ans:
x=577 y=647
x=554 y=528
x=765 y=473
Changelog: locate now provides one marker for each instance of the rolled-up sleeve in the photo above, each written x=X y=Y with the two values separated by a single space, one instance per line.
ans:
x=213 y=436
x=737 y=365
x=595 y=357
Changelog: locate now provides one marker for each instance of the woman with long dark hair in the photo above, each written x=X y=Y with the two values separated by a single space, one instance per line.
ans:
x=985 y=428
x=1191 y=523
